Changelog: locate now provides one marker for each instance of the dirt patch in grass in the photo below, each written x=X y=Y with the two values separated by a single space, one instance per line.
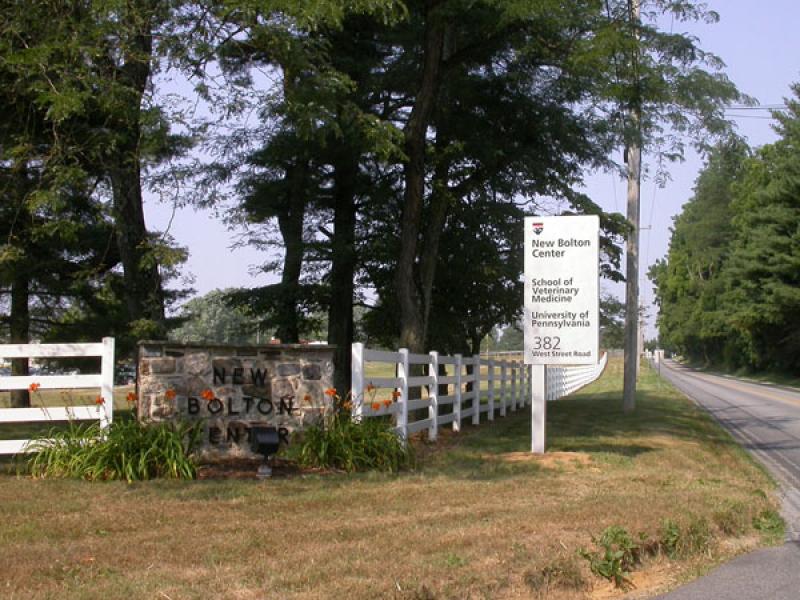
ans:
x=550 y=460
x=475 y=520
x=644 y=584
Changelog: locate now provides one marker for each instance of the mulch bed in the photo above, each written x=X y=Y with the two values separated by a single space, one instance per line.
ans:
x=246 y=468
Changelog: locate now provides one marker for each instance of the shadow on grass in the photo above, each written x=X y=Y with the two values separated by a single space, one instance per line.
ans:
x=591 y=421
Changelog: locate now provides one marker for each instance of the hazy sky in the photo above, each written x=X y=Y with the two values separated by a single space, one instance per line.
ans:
x=758 y=41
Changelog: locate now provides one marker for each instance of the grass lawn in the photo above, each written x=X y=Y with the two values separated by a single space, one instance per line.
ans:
x=479 y=518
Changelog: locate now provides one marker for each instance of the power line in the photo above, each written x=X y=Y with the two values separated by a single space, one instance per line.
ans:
x=763 y=118
x=759 y=107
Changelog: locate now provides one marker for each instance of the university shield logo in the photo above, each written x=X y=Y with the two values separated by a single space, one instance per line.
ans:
x=538 y=228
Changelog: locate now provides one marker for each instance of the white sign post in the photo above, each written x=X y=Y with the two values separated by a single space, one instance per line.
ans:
x=561 y=302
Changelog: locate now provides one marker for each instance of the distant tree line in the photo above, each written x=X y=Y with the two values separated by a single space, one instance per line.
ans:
x=382 y=153
x=729 y=289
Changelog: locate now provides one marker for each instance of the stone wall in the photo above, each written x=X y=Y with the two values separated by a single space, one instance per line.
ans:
x=231 y=388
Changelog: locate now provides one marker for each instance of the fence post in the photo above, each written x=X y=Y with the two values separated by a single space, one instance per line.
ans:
x=404 y=372
x=457 y=393
x=433 y=396
x=503 y=397
x=357 y=381
x=476 y=389
x=107 y=381
x=491 y=389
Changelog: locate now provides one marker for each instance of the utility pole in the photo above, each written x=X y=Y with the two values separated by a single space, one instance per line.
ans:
x=633 y=152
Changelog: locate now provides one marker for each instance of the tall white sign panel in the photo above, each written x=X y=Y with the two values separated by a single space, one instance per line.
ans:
x=561 y=303
x=562 y=290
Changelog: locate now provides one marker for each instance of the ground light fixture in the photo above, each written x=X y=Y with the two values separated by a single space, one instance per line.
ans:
x=264 y=440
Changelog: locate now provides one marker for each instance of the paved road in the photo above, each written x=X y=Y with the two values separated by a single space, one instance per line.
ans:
x=766 y=420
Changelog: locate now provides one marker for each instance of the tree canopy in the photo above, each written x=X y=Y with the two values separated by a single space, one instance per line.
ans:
x=728 y=288
x=382 y=153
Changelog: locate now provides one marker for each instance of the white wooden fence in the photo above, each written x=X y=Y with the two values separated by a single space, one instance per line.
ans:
x=562 y=381
x=508 y=387
x=103 y=380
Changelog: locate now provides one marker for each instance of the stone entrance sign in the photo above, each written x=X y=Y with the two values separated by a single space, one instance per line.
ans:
x=231 y=388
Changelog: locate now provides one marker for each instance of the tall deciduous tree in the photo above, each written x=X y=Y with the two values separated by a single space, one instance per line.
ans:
x=763 y=274
x=689 y=283
x=728 y=288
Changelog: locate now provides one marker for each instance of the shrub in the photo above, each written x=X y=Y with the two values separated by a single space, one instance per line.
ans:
x=671 y=538
x=368 y=444
x=128 y=450
x=677 y=542
x=617 y=556
x=770 y=524
x=733 y=519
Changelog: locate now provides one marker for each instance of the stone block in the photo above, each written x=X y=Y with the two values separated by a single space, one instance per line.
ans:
x=312 y=372
x=197 y=363
x=161 y=366
x=288 y=369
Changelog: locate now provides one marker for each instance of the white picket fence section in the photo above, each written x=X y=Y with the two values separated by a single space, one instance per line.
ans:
x=562 y=381
x=103 y=380
x=508 y=387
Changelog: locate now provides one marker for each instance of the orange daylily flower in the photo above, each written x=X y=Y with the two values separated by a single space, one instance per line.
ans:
x=207 y=395
x=170 y=394
x=387 y=403
x=376 y=406
x=370 y=387
x=307 y=398
x=131 y=397
x=34 y=387
x=330 y=392
x=396 y=394
x=99 y=400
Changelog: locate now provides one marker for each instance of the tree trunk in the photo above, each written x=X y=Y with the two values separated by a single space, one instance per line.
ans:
x=437 y=215
x=144 y=293
x=20 y=322
x=343 y=267
x=291 y=226
x=412 y=321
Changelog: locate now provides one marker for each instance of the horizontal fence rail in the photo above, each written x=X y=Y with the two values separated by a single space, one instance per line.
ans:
x=104 y=381
x=447 y=390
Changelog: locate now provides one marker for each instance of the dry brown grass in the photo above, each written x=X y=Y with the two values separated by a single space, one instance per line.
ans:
x=476 y=520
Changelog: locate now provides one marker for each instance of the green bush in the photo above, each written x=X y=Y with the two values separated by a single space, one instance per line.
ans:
x=366 y=445
x=733 y=519
x=770 y=524
x=677 y=542
x=129 y=450
x=671 y=542
x=617 y=556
